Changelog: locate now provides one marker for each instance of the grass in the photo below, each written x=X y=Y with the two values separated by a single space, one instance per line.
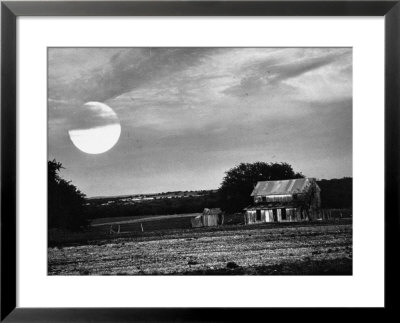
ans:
x=58 y=238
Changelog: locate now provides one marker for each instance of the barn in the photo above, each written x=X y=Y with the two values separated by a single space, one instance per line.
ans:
x=209 y=218
x=285 y=200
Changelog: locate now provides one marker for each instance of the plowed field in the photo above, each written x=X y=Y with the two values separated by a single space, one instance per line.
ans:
x=289 y=250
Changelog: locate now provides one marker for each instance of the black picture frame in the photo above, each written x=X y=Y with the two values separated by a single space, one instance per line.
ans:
x=11 y=10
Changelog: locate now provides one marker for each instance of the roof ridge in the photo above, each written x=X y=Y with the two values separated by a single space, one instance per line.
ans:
x=291 y=179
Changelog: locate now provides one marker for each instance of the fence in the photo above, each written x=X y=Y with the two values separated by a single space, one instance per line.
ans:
x=327 y=214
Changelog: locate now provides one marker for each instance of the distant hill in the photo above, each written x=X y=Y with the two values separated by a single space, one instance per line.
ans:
x=135 y=198
x=152 y=204
x=336 y=193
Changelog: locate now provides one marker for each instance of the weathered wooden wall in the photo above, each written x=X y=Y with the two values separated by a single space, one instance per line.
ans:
x=292 y=214
x=210 y=220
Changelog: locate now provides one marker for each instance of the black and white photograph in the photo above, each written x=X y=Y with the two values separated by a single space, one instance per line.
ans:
x=200 y=161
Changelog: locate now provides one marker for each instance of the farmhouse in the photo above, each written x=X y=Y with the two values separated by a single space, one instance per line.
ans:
x=209 y=218
x=285 y=200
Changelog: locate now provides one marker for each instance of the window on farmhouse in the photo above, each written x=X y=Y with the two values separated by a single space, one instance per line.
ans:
x=283 y=213
x=275 y=215
x=264 y=198
x=258 y=215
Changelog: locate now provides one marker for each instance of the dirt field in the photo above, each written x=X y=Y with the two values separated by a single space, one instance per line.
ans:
x=320 y=249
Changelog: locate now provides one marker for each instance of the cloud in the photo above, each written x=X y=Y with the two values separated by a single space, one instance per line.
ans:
x=87 y=116
x=212 y=107
x=302 y=66
x=266 y=75
x=152 y=86
x=104 y=78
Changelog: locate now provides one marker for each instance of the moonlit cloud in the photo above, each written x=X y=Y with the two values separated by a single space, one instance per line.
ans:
x=189 y=114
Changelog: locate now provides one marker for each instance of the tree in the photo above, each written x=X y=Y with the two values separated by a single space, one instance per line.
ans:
x=239 y=182
x=65 y=202
x=336 y=193
x=308 y=203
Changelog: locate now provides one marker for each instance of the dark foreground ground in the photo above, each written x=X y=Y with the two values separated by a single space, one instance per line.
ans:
x=267 y=249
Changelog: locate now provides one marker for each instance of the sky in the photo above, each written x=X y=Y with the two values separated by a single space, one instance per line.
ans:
x=187 y=115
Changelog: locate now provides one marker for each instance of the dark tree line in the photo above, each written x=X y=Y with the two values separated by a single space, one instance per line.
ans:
x=66 y=204
x=336 y=193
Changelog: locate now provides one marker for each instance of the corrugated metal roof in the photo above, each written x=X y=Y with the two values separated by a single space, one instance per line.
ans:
x=283 y=187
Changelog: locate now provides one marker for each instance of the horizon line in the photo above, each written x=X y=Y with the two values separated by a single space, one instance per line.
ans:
x=213 y=189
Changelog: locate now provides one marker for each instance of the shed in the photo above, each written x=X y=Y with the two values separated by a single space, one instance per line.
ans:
x=209 y=218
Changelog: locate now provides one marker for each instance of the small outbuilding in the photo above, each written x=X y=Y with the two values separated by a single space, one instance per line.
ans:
x=285 y=200
x=209 y=218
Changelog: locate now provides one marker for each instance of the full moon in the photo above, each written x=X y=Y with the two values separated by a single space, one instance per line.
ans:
x=101 y=132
